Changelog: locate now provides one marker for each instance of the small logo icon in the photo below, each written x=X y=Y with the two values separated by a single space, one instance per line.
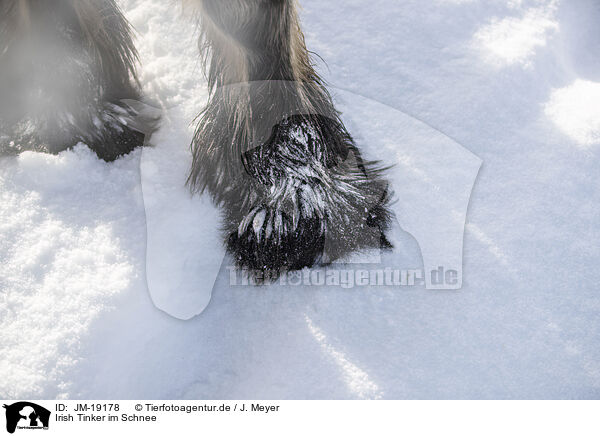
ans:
x=25 y=415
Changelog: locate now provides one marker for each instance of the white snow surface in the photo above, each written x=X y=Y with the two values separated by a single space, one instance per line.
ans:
x=513 y=81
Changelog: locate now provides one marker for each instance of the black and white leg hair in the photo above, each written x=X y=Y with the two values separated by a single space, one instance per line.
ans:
x=271 y=149
x=66 y=67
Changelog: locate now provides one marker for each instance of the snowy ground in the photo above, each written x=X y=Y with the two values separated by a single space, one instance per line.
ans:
x=516 y=82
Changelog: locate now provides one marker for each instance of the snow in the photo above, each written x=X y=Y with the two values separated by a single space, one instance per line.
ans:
x=514 y=40
x=87 y=248
x=574 y=109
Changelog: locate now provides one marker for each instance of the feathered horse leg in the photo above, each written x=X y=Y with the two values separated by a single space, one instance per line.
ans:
x=270 y=147
x=66 y=69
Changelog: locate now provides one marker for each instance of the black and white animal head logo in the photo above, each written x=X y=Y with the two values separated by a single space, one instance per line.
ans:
x=24 y=415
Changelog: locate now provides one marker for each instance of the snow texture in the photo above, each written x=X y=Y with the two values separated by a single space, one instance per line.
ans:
x=86 y=246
